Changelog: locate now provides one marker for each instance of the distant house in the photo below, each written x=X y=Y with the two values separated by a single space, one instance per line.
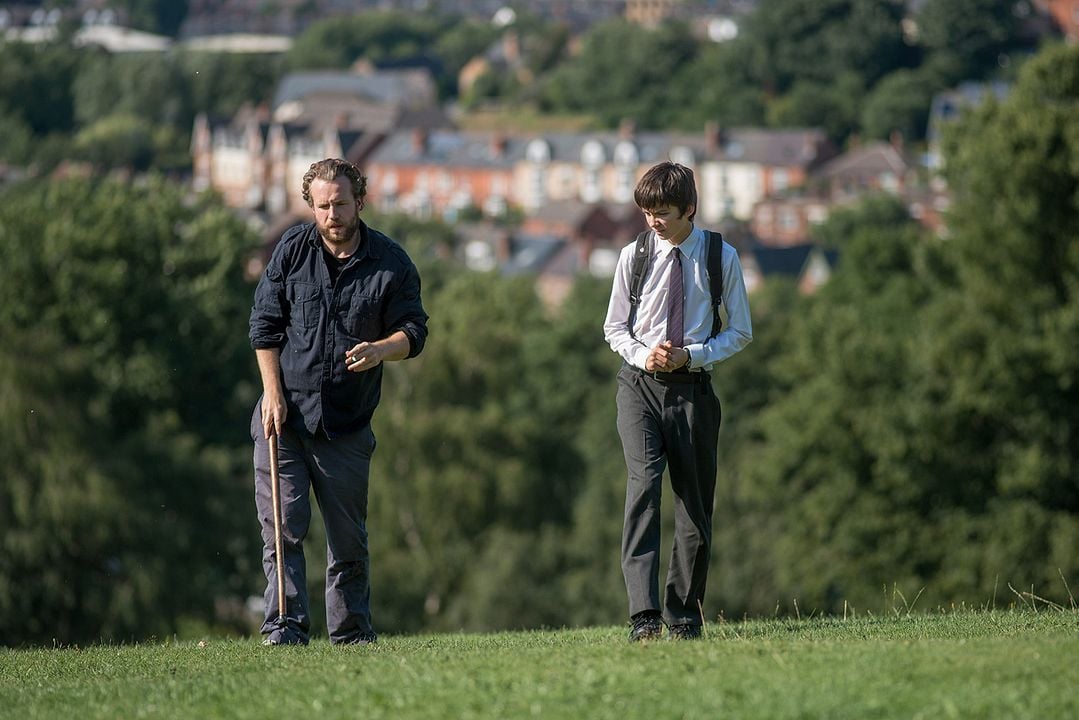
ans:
x=564 y=240
x=590 y=167
x=238 y=43
x=948 y=106
x=257 y=159
x=113 y=38
x=368 y=98
x=1065 y=15
x=439 y=173
x=595 y=233
x=258 y=164
x=807 y=264
x=443 y=172
x=874 y=167
x=742 y=166
x=650 y=13
x=734 y=169
x=503 y=57
x=787 y=221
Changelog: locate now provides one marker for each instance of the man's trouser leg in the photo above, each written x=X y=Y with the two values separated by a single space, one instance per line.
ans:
x=340 y=470
x=295 y=521
x=692 y=460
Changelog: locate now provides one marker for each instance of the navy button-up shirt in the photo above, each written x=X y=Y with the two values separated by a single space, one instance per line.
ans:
x=314 y=323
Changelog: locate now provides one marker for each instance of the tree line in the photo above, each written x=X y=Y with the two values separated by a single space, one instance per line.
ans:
x=911 y=426
x=850 y=66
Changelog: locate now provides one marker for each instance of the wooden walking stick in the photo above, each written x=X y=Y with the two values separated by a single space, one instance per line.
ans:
x=275 y=493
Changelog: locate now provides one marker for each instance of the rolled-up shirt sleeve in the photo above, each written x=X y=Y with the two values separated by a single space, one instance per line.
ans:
x=404 y=311
x=269 y=313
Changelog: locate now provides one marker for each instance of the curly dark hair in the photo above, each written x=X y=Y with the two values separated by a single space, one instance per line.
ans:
x=667 y=184
x=331 y=169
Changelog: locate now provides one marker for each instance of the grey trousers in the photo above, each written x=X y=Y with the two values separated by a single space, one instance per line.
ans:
x=668 y=424
x=338 y=472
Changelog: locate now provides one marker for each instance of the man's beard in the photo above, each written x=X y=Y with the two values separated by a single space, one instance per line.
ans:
x=341 y=234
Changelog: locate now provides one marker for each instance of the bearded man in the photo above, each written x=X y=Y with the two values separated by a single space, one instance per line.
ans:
x=337 y=300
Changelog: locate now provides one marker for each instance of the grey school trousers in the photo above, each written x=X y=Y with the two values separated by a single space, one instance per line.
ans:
x=337 y=471
x=668 y=424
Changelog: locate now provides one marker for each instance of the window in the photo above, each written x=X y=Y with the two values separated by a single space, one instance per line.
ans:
x=788 y=219
x=593 y=155
x=538 y=152
x=780 y=180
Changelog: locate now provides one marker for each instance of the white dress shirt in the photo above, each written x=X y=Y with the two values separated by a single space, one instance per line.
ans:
x=650 y=326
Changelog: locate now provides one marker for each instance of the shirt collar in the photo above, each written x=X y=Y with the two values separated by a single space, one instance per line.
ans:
x=363 y=250
x=687 y=246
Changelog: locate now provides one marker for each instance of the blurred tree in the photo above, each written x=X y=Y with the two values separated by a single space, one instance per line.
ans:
x=817 y=40
x=456 y=44
x=117 y=141
x=878 y=211
x=730 y=96
x=44 y=72
x=150 y=87
x=922 y=435
x=1009 y=329
x=832 y=106
x=965 y=38
x=16 y=139
x=898 y=103
x=126 y=392
x=220 y=83
x=833 y=474
x=745 y=522
x=464 y=434
x=622 y=72
x=157 y=16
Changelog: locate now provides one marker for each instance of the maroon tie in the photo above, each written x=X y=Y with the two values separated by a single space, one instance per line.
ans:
x=675 y=302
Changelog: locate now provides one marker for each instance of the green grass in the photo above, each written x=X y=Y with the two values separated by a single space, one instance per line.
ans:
x=1007 y=664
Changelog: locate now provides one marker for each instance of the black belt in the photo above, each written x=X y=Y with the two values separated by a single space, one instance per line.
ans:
x=678 y=376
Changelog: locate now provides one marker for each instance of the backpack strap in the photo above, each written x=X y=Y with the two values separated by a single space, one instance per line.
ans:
x=641 y=256
x=715 y=277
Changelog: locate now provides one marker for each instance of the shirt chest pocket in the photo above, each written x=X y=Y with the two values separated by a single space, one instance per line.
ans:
x=365 y=318
x=305 y=302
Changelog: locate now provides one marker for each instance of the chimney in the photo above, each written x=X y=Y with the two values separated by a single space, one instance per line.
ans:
x=511 y=47
x=896 y=138
x=712 y=138
x=503 y=247
x=419 y=141
x=497 y=145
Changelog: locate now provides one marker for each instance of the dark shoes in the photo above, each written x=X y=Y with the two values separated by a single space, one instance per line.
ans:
x=647 y=625
x=362 y=639
x=685 y=632
x=284 y=636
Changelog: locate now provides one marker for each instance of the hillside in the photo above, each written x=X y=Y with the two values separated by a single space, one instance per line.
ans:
x=1014 y=664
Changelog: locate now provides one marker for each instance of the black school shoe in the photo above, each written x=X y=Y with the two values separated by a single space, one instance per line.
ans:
x=685 y=632
x=647 y=625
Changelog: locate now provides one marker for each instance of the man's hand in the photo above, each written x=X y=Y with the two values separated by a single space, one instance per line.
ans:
x=274 y=411
x=665 y=357
x=365 y=356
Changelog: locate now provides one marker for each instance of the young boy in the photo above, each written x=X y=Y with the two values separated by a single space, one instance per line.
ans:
x=668 y=413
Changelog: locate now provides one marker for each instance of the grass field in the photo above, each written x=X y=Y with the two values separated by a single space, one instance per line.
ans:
x=1004 y=664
